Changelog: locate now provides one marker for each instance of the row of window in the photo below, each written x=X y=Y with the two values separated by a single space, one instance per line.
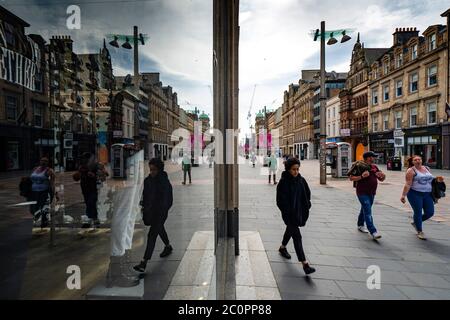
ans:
x=432 y=80
x=413 y=118
x=11 y=104
x=414 y=51
x=333 y=130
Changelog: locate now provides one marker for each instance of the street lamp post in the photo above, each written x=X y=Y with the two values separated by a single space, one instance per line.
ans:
x=323 y=96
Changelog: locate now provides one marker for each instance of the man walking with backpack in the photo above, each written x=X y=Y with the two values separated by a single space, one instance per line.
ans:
x=365 y=174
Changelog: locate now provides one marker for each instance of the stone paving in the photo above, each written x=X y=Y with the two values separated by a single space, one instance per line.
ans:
x=410 y=268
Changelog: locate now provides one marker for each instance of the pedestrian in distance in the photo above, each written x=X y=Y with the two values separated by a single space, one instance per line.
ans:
x=273 y=167
x=186 y=166
x=253 y=158
x=365 y=176
x=156 y=202
x=294 y=202
x=419 y=191
x=42 y=189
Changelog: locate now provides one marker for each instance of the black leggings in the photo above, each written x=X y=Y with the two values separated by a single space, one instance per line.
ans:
x=294 y=233
x=151 y=239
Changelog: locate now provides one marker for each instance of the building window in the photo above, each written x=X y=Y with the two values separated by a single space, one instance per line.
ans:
x=9 y=34
x=334 y=130
x=414 y=52
x=399 y=88
x=386 y=122
x=11 y=108
x=413 y=82
x=432 y=42
x=432 y=75
x=38 y=82
x=399 y=62
x=38 y=112
x=431 y=113
x=374 y=96
x=375 y=123
x=329 y=130
x=334 y=112
x=386 y=67
x=67 y=125
x=413 y=117
x=386 y=93
x=398 y=120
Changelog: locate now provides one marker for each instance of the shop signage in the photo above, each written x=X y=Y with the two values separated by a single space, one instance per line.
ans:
x=399 y=133
x=118 y=134
x=15 y=67
x=345 y=132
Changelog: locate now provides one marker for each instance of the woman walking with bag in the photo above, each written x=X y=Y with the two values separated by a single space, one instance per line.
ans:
x=42 y=188
x=418 y=189
x=294 y=202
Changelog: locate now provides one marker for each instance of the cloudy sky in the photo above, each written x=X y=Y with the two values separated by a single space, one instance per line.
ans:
x=275 y=42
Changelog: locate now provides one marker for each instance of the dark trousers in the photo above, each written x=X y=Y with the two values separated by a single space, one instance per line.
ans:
x=90 y=199
x=188 y=171
x=41 y=198
x=153 y=233
x=294 y=233
x=274 y=178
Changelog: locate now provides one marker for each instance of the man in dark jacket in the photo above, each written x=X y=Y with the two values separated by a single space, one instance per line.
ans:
x=157 y=201
x=294 y=202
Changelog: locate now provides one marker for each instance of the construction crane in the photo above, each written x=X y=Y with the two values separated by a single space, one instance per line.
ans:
x=249 y=116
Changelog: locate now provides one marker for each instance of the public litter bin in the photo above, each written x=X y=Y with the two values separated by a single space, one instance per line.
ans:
x=397 y=164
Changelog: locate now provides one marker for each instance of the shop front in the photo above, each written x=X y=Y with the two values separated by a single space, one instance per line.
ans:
x=24 y=146
x=383 y=145
x=446 y=146
x=304 y=150
x=427 y=143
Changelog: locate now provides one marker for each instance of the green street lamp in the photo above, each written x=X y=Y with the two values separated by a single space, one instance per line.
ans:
x=324 y=35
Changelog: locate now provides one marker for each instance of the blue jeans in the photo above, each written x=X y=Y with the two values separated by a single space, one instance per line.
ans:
x=365 y=214
x=421 y=201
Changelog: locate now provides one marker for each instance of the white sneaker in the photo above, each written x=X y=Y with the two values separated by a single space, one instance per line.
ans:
x=376 y=236
x=363 y=229
x=421 y=236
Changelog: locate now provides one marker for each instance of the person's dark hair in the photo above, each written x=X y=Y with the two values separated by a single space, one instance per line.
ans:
x=410 y=161
x=157 y=162
x=86 y=156
x=291 y=162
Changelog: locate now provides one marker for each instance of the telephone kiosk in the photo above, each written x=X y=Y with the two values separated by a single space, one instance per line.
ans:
x=122 y=155
x=339 y=157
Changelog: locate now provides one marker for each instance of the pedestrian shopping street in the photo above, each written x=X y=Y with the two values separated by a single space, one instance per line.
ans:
x=410 y=268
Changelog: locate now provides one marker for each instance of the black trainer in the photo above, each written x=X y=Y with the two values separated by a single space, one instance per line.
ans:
x=284 y=253
x=167 y=251
x=308 y=269
x=141 y=267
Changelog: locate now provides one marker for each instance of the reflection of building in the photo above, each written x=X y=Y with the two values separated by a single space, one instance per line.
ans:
x=407 y=96
x=276 y=130
x=354 y=99
x=173 y=116
x=25 y=119
x=333 y=119
x=303 y=115
x=333 y=84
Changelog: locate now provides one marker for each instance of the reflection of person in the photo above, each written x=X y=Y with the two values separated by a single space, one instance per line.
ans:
x=418 y=189
x=366 y=189
x=187 y=165
x=253 y=158
x=43 y=187
x=88 y=173
x=157 y=201
x=294 y=202
x=124 y=202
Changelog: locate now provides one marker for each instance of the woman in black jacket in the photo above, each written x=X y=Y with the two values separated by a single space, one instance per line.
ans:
x=157 y=201
x=294 y=202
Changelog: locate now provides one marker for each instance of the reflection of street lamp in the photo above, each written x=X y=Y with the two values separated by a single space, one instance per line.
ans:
x=323 y=34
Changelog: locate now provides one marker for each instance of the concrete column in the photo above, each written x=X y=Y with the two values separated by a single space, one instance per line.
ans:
x=226 y=175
